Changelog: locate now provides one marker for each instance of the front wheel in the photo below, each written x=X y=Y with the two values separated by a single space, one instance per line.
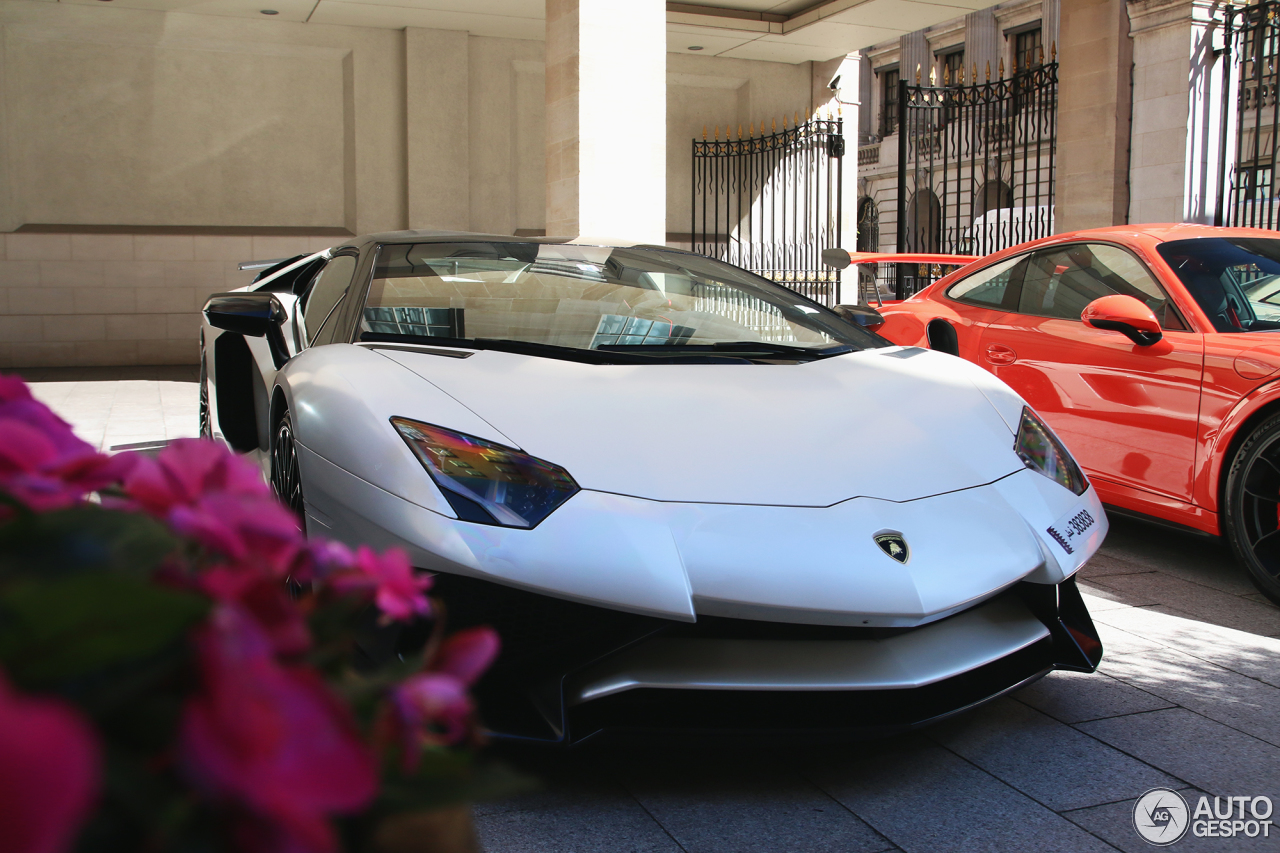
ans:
x=206 y=417
x=1252 y=517
x=286 y=477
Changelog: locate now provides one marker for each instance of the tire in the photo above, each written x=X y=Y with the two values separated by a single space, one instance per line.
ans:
x=206 y=417
x=1252 y=516
x=286 y=475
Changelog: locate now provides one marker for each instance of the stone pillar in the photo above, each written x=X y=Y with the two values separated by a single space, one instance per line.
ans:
x=1177 y=111
x=437 y=129
x=846 y=102
x=1094 y=102
x=606 y=119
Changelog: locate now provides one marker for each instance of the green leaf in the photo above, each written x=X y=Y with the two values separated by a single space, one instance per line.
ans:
x=64 y=628
x=83 y=538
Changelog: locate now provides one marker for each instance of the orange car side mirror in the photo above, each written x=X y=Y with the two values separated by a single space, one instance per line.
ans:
x=1125 y=315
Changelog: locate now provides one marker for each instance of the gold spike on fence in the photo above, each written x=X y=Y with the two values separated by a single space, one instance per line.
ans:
x=946 y=76
x=1002 y=68
x=933 y=76
x=1042 y=54
x=797 y=119
x=1013 y=69
x=988 y=71
x=917 y=73
x=774 y=124
x=704 y=133
x=739 y=130
x=1053 y=51
x=717 y=136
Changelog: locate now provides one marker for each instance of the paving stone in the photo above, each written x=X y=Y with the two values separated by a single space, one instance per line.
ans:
x=1103 y=563
x=1200 y=559
x=1195 y=749
x=926 y=799
x=1116 y=641
x=1070 y=771
x=1101 y=598
x=1238 y=701
x=716 y=803
x=1239 y=651
x=1113 y=823
x=1200 y=601
x=581 y=824
x=1074 y=697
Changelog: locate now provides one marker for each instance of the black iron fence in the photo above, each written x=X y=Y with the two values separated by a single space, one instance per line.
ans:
x=1251 y=47
x=772 y=202
x=975 y=164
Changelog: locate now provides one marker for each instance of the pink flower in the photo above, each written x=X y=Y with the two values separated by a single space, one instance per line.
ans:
x=48 y=773
x=434 y=706
x=188 y=470
x=250 y=529
x=42 y=463
x=399 y=592
x=270 y=740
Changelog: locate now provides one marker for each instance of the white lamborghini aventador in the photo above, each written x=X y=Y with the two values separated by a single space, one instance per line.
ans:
x=687 y=497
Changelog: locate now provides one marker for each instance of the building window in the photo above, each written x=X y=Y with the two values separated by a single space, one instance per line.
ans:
x=952 y=67
x=890 y=106
x=1028 y=50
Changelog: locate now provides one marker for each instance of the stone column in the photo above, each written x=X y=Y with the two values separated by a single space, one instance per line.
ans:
x=606 y=119
x=437 y=129
x=1094 y=102
x=1177 y=111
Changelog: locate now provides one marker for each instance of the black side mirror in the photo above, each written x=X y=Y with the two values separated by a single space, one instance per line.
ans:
x=256 y=315
x=863 y=315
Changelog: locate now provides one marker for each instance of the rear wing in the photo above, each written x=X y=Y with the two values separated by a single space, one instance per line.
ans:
x=841 y=258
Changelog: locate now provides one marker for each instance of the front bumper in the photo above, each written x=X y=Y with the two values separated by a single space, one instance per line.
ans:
x=571 y=671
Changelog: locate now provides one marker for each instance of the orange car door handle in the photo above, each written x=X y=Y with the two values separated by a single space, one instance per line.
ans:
x=1000 y=354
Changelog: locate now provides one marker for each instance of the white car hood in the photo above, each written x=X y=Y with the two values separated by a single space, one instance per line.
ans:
x=896 y=424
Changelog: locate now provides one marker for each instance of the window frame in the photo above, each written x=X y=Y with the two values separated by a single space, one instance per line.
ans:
x=1012 y=293
x=886 y=101
x=304 y=336
x=1170 y=306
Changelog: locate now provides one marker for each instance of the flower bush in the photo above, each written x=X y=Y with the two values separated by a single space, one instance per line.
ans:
x=181 y=668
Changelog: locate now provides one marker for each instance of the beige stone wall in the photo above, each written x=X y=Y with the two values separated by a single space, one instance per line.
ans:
x=134 y=121
x=113 y=299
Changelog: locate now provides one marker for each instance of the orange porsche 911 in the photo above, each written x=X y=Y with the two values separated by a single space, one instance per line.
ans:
x=1152 y=350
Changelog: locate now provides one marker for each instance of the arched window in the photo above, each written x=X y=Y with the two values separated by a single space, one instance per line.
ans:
x=992 y=195
x=924 y=223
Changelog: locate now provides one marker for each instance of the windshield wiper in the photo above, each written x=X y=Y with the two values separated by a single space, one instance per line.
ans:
x=790 y=349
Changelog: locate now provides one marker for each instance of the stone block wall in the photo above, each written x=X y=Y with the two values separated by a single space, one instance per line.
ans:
x=120 y=299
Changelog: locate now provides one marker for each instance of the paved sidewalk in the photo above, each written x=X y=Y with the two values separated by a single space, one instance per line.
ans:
x=1188 y=697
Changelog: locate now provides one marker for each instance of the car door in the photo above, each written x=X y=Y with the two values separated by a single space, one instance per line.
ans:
x=977 y=301
x=320 y=301
x=1127 y=412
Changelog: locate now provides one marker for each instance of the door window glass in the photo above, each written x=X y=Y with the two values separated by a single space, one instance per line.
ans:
x=325 y=292
x=1061 y=281
x=988 y=287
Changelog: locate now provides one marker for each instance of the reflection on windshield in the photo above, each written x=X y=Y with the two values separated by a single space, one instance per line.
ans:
x=1235 y=280
x=591 y=298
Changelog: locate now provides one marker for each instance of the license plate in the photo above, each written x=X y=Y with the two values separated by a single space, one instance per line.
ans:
x=1070 y=529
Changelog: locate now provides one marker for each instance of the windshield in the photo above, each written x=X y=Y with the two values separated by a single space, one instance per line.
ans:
x=1236 y=280
x=646 y=302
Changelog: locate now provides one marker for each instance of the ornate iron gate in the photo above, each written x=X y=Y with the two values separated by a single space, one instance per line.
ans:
x=976 y=163
x=1251 y=50
x=772 y=202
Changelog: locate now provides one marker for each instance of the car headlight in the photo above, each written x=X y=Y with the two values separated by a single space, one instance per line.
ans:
x=486 y=482
x=1041 y=451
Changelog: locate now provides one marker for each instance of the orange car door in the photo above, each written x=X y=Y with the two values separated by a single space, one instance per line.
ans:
x=979 y=300
x=1127 y=412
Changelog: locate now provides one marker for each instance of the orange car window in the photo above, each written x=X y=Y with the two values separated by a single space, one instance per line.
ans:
x=1061 y=281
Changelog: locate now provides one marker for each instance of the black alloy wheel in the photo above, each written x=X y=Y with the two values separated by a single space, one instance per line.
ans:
x=1252 y=517
x=286 y=478
x=206 y=419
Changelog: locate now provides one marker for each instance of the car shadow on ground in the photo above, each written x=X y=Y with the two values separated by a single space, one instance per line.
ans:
x=1187 y=697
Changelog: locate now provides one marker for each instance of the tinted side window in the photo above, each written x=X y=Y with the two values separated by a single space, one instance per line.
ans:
x=1061 y=281
x=325 y=292
x=990 y=287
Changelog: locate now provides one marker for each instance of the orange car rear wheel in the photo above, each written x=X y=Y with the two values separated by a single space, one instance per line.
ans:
x=1253 y=506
